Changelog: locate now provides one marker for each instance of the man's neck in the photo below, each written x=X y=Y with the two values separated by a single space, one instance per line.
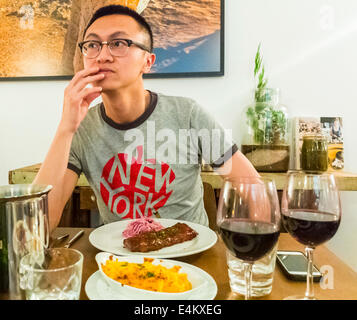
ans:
x=125 y=106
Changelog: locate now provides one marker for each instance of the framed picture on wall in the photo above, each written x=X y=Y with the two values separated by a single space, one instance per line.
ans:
x=333 y=130
x=39 y=38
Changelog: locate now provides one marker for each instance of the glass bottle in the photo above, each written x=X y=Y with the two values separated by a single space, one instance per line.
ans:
x=266 y=140
x=4 y=275
x=314 y=153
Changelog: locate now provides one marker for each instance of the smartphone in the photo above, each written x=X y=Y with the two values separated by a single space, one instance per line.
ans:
x=294 y=266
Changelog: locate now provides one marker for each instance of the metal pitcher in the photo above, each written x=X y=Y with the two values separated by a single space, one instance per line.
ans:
x=24 y=228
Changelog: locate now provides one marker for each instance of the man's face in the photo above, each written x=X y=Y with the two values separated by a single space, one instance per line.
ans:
x=120 y=72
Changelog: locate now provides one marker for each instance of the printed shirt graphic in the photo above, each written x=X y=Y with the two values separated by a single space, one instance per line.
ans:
x=133 y=189
x=133 y=176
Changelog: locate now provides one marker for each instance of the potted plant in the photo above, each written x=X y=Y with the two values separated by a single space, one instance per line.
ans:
x=266 y=142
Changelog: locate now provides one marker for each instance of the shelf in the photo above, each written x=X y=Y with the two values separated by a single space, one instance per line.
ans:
x=346 y=181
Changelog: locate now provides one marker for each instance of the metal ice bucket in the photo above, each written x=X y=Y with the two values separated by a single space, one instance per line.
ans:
x=24 y=228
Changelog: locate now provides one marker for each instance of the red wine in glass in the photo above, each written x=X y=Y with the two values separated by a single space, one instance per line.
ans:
x=249 y=240
x=311 y=228
x=248 y=218
x=311 y=213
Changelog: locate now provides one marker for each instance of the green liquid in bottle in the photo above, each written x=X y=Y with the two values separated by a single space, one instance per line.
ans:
x=314 y=156
x=4 y=267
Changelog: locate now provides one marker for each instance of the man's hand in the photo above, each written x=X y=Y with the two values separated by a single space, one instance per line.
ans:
x=255 y=195
x=78 y=97
x=53 y=171
x=253 y=198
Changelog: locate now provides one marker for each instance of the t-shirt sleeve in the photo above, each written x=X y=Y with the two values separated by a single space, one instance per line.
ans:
x=74 y=162
x=215 y=143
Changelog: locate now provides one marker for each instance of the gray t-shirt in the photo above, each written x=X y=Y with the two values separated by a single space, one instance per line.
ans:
x=153 y=163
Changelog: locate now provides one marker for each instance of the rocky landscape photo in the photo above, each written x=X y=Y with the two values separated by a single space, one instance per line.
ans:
x=39 y=37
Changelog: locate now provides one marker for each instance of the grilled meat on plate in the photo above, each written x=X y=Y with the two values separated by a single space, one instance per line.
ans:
x=155 y=240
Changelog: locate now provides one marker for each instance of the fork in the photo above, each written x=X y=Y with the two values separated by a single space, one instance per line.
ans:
x=77 y=236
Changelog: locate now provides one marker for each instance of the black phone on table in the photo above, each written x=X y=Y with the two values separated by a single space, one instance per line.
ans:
x=294 y=265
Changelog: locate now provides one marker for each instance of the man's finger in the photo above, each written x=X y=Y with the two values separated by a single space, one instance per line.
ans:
x=87 y=80
x=92 y=96
x=84 y=73
x=89 y=91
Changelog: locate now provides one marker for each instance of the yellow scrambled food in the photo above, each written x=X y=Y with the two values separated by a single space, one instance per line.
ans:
x=147 y=276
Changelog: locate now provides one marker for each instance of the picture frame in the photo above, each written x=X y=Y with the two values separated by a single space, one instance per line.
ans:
x=40 y=40
x=330 y=127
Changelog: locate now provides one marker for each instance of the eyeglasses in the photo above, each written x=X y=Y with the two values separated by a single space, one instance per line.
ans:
x=117 y=47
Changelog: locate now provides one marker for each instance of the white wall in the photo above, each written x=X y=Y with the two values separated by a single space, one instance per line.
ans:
x=310 y=52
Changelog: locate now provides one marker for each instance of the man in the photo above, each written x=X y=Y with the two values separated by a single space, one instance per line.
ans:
x=133 y=147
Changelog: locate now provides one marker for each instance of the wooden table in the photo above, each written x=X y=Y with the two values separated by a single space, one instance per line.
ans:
x=77 y=210
x=213 y=261
x=346 y=181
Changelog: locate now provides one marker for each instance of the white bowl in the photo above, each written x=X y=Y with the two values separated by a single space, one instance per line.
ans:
x=196 y=276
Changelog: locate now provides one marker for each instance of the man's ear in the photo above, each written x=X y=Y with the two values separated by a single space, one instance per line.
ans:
x=149 y=62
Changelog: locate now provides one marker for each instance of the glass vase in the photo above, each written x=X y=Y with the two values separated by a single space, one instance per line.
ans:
x=266 y=140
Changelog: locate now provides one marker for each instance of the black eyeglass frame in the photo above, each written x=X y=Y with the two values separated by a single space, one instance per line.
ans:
x=101 y=43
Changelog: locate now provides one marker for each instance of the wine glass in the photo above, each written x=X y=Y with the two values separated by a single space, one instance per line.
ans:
x=248 y=219
x=311 y=213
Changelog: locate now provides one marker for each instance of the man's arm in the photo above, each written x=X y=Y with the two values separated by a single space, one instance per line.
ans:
x=53 y=171
x=237 y=166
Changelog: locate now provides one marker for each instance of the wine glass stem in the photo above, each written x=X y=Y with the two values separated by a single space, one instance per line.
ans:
x=309 y=294
x=248 y=279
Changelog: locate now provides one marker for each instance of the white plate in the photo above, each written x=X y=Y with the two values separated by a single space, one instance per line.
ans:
x=109 y=238
x=97 y=288
x=196 y=276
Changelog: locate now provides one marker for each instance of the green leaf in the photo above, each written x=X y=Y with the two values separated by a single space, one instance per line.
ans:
x=258 y=61
x=259 y=67
x=259 y=108
x=250 y=112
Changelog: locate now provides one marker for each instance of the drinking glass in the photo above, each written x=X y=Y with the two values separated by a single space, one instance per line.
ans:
x=55 y=275
x=311 y=213
x=248 y=218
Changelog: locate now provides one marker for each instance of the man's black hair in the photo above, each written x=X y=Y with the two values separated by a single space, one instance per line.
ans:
x=118 y=9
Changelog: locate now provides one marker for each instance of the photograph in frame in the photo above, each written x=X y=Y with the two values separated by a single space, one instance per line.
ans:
x=39 y=38
x=332 y=128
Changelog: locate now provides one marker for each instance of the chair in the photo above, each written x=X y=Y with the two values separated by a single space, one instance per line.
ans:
x=209 y=200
